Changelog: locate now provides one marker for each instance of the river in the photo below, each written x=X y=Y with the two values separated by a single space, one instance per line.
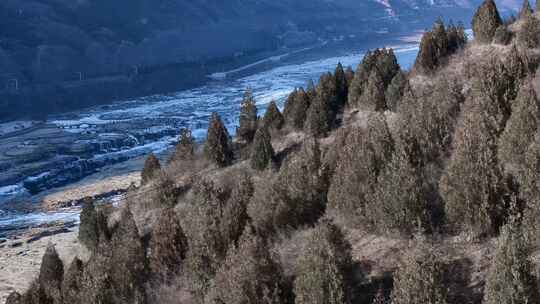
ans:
x=192 y=108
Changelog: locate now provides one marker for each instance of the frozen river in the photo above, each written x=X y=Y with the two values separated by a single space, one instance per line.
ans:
x=191 y=108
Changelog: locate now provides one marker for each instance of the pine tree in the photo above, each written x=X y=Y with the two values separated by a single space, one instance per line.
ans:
x=72 y=283
x=165 y=191
x=248 y=118
x=399 y=203
x=510 y=279
x=349 y=76
x=324 y=270
x=88 y=229
x=362 y=157
x=341 y=86
x=151 y=167
x=249 y=275
x=529 y=180
x=128 y=272
x=321 y=113
x=273 y=120
x=529 y=34
x=395 y=91
x=185 y=148
x=216 y=148
x=373 y=98
x=51 y=274
x=426 y=60
x=521 y=126
x=14 y=298
x=457 y=38
x=262 y=152
x=296 y=107
x=502 y=35
x=485 y=22
x=526 y=10
x=440 y=38
x=168 y=246
x=419 y=278
x=472 y=186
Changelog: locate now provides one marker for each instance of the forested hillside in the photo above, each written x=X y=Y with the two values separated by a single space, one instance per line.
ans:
x=378 y=185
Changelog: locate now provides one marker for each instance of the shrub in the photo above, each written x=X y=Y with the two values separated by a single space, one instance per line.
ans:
x=262 y=152
x=168 y=246
x=51 y=274
x=88 y=229
x=362 y=157
x=325 y=268
x=472 y=185
x=521 y=127
x=249 y=275
x=296 y=107
x=485 y=22
x=185 y=148
x=510 y=278
x=216 y=148
x=151 y=167
x=419 y=278
x=248 y=118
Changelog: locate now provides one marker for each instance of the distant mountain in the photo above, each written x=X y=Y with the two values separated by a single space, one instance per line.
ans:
x=51 y=42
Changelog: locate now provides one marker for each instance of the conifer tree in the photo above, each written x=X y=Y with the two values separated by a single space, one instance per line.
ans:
x=521 y=126
x=426 y=60
x=510 y=278
x=529 y=180
x=341 y=86
x=324 y=270
x=440 y=38
x=168 y=246
x=395 y=91
x=249 y=275
x=128 y=272
x=456 y=37
x=485 y=22
x=273 y=120
x=72 y=283
x=526 y=10
x=362 y=157
x=185 y=148
x=151 y=167
x=322 y=111
x=472 y=186
x=296 y=107
x=88 y=229
x=51 y=274
x=502 y=35
x=419 y=278
x=14 y=298
x=349 y=76
x=248 y=118
x=216 y=148
x=529 y=34
x=373 y=98
x=262 y=152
